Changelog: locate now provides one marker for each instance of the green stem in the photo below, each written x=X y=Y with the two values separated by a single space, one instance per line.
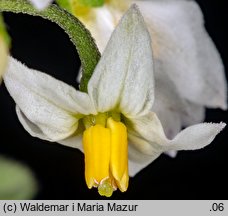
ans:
x=79 y=35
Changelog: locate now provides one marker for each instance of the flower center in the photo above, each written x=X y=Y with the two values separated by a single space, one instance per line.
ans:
x=86 y=13
x=106 y=155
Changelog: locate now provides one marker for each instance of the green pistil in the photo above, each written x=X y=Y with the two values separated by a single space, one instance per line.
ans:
x=105 y=188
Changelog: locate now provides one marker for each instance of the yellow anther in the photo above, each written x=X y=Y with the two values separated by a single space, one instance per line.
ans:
x=106 y=157
x=119 y=151
x=96 y=143
x=123 y=183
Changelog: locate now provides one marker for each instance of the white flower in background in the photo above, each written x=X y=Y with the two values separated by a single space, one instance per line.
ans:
x=41 y=4
x=114 y=121
x=189 y=73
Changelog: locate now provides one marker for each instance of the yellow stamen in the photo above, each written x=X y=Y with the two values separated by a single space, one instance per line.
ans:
x=96 y=142
x=106 y=157
x=119 y=157
x=123 y=183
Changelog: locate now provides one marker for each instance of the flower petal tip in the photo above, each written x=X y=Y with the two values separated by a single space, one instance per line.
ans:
x=221 y=126
x=171 y=153
x=218 y=127
x=134 y=9
x=224 y=106
x=220 y=102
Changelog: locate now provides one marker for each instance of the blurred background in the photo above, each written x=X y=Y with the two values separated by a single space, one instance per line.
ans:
x=59 y=170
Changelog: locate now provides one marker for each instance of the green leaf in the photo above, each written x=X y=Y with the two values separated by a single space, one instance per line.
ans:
x=79 y=35
x=16 y=181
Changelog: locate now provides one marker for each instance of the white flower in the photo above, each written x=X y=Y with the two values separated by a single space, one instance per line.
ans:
x=40 y=4
x=189 y=72
x=116 y=111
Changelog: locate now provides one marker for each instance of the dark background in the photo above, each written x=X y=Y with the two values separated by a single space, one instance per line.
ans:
x=44 y=46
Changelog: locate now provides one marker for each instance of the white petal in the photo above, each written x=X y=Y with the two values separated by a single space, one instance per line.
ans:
x=123 y=78
x=173 y=111
x=196 y=136
x=50 y=104
x=138 y=161
x=141 y=153
x=148 y=141
x=41 y=4
x=189 y=57
x=101 y=27
x=74 y=141
x=171 y=153
x=170 y=121
x=30 y=127
x=193 y=137
x=147 y=127
x=168 y=106
x=142 y=145
x=195 y=114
